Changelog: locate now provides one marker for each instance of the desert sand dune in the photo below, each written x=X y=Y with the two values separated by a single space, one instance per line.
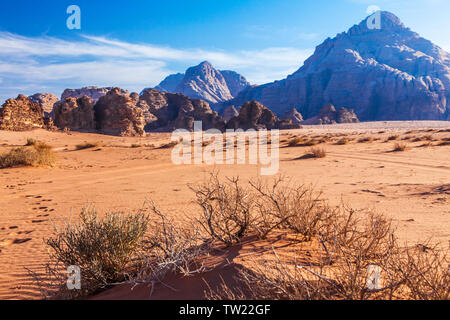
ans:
x=410 y=187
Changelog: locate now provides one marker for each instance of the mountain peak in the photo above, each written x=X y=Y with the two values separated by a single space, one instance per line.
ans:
x=387 y=22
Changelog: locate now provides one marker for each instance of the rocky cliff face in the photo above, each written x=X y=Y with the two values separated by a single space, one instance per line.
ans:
x=254 y=115
x=75 y=113
x=116 y=113
x=206 y=83
x=46 y=100
x=383 y=74
x=229 y=113
x=171 y=111
x=21 y=114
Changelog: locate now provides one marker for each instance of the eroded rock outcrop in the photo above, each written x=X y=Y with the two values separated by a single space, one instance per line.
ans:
x=46 y=100
x=329 y=115
x=75 y=113
x=116 y=113
x=254 y=115
x=21 y=114
x=168 y=111
x=94 y=93
x=293 y=115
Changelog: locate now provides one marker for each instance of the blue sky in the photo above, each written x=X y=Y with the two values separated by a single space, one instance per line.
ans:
x=135 y=44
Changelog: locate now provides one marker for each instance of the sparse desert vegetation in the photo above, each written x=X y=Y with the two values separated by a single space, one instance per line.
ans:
x=87 y=145
x=344 y=245
x=38 y=154
x=399 y=147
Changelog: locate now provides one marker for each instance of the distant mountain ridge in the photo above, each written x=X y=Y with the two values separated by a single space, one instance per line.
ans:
x=383 y=74
x=206 y=83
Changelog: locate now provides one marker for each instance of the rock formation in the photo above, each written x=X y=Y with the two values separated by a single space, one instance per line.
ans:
x=21 y=114
x=75 y=113
x=383 y=74
x=329 y=115
x=168 y=111
x=92 y=92
x=229 y=113
x=46 y=100
x=206 y=83
x=253 y=115
x=116 y=113
x=293 y=115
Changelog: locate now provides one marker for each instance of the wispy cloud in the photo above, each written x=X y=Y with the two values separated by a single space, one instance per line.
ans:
x=28 y=63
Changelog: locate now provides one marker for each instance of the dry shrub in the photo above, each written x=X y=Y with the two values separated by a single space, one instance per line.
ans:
x=282 y=205
x=343 y=141
x=31 y=142
x=399 y=147
x=316 y=153
x=226 y=209
x=86 y=145
x=393 y=137
x=357 y=244
x=169 y=145
x=365 y=140
x=170 y=248
x=295 y=141
x=136 y=146
x=39 y=154
x=103 y=248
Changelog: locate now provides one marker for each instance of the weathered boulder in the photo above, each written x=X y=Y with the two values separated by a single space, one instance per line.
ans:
x=329 y=115
x=21 y=114
x=293 y=115
x=116 y=113
x=75 y=113
x=168 y=111
x=253 y=115
x=46 y=100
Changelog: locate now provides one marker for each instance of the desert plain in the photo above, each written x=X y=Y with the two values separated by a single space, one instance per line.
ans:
x=411 y=187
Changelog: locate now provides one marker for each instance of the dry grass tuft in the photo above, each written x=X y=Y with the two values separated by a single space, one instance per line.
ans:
x=399 y=147
x=316 y=153
x=39 y=154
x=86 y=145
x=365 y=140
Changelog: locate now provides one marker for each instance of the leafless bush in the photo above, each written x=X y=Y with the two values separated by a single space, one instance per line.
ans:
x=399 y=147
x=226 y=209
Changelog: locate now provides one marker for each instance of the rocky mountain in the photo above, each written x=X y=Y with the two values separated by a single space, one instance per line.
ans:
x=382 y=74
x=206 y=83
x=21 y=114
x=293 y=115
x=230 y=112
x=169 y=111
x=92 y=92
x=75 y=113
x=116 y=113
x=254 y=115
x=46 y=100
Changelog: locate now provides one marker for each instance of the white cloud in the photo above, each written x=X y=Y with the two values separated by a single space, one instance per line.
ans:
x=53 y=63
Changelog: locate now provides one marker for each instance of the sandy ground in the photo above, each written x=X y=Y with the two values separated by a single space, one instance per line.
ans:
x=411 y=187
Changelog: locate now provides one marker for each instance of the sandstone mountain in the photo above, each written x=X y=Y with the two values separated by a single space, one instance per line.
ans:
x=116 y=113
x=46 y=100
x=206 y=83
x=169 y=111
x=92 y=92
x=254 y=115
x=21 y=114
x=229 y=113
x=75 y=113
x=383 y=74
